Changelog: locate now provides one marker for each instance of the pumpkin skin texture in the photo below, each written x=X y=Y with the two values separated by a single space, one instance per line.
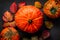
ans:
x=52 y=9
x=9 y=34
x=29 y=19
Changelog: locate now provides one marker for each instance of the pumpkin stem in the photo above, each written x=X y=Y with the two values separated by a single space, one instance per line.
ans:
x=29 y=21
x=53 y=10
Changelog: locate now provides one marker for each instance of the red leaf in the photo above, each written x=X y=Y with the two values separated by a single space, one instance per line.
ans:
x=13 y=7
x=21 y=4
x=45 y=34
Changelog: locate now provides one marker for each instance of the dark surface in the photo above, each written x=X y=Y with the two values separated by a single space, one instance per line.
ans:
x=55 y=31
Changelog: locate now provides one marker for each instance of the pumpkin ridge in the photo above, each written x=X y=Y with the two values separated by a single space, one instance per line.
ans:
x=29 y=15
x=35 y=27
x=21 y=15
x=38 y=18
x=26 y=27
x=23 y=19
x=33 y=15
x=30 y=28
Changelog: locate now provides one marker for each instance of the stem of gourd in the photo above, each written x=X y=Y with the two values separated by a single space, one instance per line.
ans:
x=29 y=21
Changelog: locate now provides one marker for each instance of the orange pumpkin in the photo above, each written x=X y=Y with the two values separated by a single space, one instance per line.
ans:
x=52 y=8
x=9 y=34
x=29 y=19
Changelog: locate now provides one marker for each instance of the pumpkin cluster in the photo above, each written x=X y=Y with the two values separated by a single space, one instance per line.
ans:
x=28 y=18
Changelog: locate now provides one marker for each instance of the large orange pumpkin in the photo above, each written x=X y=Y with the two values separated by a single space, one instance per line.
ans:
x=52 y=8
x=9 y=34
x=29 y=19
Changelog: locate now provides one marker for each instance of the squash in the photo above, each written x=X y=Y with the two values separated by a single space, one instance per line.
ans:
x=29 y=19
x=52 y=9
x=9 y=33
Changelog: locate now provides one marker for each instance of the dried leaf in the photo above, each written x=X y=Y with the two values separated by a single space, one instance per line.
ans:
x=12 y=24
x=34 y=38
x=49 y=24
x=6 y=24
x=7 y=16
x=25 y=39
x=41 y=38
x=37 y=4
x=9 y=24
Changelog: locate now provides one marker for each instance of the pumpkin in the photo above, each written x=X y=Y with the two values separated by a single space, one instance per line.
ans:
x=9 y=34
x=52 y=9
x=29 y=19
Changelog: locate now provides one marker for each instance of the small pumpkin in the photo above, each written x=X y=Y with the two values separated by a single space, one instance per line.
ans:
x=9 y=34
x=29 y=19
x=52 y=9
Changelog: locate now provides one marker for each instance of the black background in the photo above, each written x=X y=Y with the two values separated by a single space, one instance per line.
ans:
x=55 y=31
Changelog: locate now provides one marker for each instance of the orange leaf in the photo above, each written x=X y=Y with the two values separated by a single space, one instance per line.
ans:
x=7 y=16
